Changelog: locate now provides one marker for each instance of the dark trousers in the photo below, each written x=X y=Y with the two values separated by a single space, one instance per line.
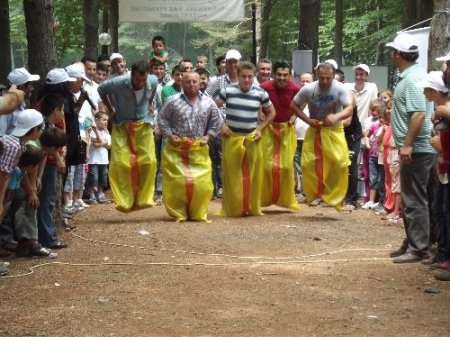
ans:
x=354 y=145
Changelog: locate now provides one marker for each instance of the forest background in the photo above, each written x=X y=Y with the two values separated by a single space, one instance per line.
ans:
x=59 y=32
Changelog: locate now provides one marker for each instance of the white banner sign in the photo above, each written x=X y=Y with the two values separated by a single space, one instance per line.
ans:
x=180 y=10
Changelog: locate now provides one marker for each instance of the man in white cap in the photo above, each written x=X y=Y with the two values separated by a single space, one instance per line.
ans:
x=118 y=65
x=411 y=126
x=23 y=80
x=362 y=90
x=232 y=58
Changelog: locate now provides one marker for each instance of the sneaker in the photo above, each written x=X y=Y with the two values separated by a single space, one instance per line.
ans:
x=158 y=199
x=367 y=205
x=381 y=212
x=65 y=225
x=93 y=201
x=35 y=251
x=103 y=199
x=219 y=192
x=445 y=276
x=315 y=202
x=70 y=210
x=3 y=270
x=348 y=207
x=81 y=203
x=374 y=205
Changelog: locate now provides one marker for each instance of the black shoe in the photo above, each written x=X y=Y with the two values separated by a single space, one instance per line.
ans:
x=445 y=276
x=34 y=251
x=398 y=252
x=58 y=245
x=3 y=271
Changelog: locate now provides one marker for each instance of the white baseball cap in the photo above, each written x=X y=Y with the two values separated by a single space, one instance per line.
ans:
x=58 y=75
x=433 y=80
x=77 y=70
x=21 y=76
x=115 y=56
x=26 y=120
x=233 y=54
x=364 y=67
x=444 y=58
x=405 y=43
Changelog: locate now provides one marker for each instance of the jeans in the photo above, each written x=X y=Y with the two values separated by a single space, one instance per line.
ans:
x=414 y=182
x=158 y=150
x=354 y=145
x=373 y=173
x=215 y=153
x=298 y=167
x=441 y=212
x=25 y=217
x=98 y=175
x=47 y=196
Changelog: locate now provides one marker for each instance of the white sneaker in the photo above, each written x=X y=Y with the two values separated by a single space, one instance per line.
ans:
x=367 y=205
x=81 y=203
x=374 y=205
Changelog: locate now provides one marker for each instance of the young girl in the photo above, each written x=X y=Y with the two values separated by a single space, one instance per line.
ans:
x=98 y=159
x=391 y=168
x=370 y=154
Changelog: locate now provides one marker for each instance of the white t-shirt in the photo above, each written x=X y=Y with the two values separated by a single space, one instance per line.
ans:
x=99 y=155
x=301 y=126
x=363 y=98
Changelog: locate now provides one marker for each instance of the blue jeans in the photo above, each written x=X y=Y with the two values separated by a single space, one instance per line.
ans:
x=98 y=175
x=373 y=173
x=47 y=195
x=298 y=166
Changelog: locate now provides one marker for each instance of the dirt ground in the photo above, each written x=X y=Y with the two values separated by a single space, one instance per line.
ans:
x=312 y=273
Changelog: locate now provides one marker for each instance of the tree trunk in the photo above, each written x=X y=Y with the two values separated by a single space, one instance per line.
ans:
x=308 y=37
x=266 y=9
x=5 y=42
x=426 y=11
x=439 y=40
x=41 y=42
x=114 y=25
x=338 y=31
x=410 y=13
x=90 y=14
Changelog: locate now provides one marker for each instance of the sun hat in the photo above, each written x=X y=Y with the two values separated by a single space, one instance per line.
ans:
x=433 y=80
x=405 y=43
x=58 y=75
x=26 y=120
x=21 y=76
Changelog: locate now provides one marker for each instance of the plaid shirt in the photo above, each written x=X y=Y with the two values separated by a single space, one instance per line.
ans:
x=12 y=150
x=179 y=117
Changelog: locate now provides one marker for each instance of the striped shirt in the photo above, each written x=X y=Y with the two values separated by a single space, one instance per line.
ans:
x=243 y=107
x=180 y=117
x=409 y=99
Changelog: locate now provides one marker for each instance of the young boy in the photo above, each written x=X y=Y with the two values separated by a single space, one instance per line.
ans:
x=29 y=127
x=202 y=62
x=98 y=160
x=159 y=52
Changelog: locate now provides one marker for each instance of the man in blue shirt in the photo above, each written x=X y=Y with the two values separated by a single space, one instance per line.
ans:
x=133 y=163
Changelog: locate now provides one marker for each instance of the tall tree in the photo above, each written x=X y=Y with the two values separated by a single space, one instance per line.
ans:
x=5 y=41
x=266 y=9
x=114 y=25
x=41 y=43
x=339 y=31
x=90 y=14
x=439 y=38
x=410 y=13
x=308 y=37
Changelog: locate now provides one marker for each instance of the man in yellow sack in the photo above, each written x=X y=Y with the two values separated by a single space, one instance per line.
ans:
x=133 y=164
x=188 y=120
x=242 y=151
x=280 y=141
x=325 y=158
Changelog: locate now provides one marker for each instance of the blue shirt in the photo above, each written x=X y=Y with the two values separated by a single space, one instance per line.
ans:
x=120 y=91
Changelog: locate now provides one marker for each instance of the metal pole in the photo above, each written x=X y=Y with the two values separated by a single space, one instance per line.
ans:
x=254 y=32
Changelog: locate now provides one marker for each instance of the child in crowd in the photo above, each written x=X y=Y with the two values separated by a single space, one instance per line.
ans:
x=158 y=52
x=101 y=73
x=98 y=159
x=391 y=163
x=202 y=62
x=370 y=154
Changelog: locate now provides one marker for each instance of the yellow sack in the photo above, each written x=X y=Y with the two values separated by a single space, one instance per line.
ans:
x=242 y=175
x=187 y=179
x=325 y=162
x=279 y=145
x=132 y=167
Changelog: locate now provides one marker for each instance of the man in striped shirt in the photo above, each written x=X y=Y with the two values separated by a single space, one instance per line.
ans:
x=411 y=126
x=242 y=126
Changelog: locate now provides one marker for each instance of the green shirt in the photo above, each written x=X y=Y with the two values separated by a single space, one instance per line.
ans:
x=409 y=99
x=167 y=91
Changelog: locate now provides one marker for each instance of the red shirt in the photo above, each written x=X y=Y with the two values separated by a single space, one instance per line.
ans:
x=281 y=98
